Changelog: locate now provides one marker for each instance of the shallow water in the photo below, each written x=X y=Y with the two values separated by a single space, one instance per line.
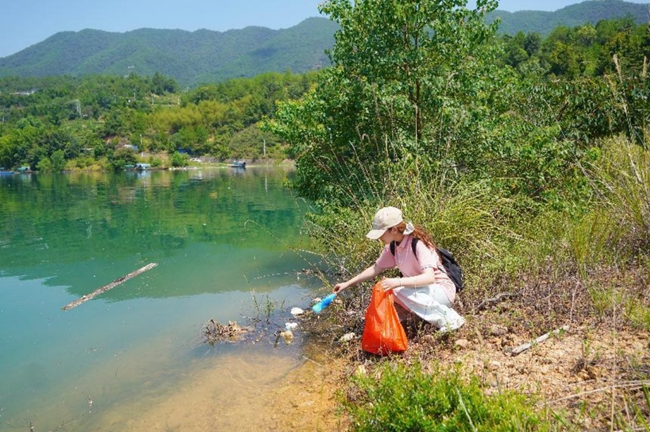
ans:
x=228 y=247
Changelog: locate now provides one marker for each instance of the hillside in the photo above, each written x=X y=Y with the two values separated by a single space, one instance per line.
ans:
x=205 y=56
x=190 y=57
x=590 y=11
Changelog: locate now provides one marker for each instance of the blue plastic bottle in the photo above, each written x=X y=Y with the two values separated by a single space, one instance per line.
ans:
x=318 y=307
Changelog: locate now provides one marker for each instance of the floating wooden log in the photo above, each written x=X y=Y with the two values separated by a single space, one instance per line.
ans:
x=105 y=288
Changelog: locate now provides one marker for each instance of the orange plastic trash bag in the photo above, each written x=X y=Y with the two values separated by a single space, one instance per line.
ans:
x=383 y=333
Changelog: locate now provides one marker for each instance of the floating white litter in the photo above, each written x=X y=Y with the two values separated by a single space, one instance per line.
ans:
x=290 y=325
x=297 y=311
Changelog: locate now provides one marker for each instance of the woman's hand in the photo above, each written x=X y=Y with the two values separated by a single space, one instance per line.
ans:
x=390 y=283
x=340 y=287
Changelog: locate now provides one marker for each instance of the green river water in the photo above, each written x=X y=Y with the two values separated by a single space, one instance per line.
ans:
x=228 y=245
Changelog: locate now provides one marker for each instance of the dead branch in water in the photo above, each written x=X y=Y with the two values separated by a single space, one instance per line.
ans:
x=105 y=288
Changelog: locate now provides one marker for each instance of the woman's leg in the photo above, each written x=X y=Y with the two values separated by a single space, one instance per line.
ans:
x=411 y=322
x=431 y=304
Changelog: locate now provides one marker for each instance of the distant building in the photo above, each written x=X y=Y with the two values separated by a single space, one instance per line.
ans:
x=130 y=147
x=25 y=93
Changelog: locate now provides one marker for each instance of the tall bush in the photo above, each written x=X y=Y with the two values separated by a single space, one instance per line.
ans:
x=407 y=78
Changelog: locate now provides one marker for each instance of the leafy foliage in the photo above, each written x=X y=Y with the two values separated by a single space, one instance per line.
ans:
x=400 y=72
x=524 y=124
x=95 y=116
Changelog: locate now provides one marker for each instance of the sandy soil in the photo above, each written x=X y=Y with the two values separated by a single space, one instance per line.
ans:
x=589 y=372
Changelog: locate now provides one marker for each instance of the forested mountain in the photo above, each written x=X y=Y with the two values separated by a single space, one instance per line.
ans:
x=203 y=56
x=590 y=11
x=191 y=58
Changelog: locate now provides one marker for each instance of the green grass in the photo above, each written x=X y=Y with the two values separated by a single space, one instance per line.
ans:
x=408 y=398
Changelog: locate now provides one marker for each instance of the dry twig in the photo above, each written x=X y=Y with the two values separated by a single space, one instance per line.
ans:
x=633 y=385
x=542 y=338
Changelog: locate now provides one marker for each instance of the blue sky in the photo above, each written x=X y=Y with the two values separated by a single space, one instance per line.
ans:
x=27 y=22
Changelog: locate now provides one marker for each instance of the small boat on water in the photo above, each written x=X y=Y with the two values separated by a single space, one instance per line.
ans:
x=238 y=164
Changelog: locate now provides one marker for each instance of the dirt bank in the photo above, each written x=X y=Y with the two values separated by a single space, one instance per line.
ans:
x=589 y=373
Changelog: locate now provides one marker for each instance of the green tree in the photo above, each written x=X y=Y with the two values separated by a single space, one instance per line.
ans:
x=405 y=73
x=44 y=165
x=532 y=43
x=162 y=85
x=121 y=157
x=515 y=50
x=58 y=161
x=179 y=160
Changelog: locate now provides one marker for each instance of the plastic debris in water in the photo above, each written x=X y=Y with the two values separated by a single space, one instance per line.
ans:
x=318 y=307
x=297 y=311
x=290 y=325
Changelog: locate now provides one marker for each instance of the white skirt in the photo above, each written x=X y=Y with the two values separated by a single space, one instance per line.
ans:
x=431 y=304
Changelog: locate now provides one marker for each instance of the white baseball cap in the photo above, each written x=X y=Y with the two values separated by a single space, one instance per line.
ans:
x=384 y=219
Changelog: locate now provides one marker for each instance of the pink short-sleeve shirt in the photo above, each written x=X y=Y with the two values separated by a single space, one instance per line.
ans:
x=412 y=265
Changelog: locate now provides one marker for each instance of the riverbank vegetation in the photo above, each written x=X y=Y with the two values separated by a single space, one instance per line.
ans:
x=104 y=123
x=534 y=176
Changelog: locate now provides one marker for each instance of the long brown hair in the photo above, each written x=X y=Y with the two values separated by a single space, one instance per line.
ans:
x=419 y=233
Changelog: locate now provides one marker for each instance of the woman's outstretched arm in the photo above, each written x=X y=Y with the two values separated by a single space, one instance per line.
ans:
x=365 y=275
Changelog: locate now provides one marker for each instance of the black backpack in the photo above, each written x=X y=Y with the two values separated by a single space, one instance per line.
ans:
x=449 y=263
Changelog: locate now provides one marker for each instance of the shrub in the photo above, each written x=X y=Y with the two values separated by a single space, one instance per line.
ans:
x=180 y=160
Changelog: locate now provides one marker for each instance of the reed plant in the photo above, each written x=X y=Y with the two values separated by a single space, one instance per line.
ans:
x=630 y=101
x=622 y=181
x=465 y=217
x=265 y=307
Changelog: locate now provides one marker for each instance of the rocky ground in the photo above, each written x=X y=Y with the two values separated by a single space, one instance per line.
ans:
x=591 y=374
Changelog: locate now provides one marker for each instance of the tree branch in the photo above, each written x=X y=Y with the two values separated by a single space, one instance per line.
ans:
x=105 y=288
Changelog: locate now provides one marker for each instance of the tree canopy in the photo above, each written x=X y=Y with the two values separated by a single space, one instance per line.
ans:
x=430 y=82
